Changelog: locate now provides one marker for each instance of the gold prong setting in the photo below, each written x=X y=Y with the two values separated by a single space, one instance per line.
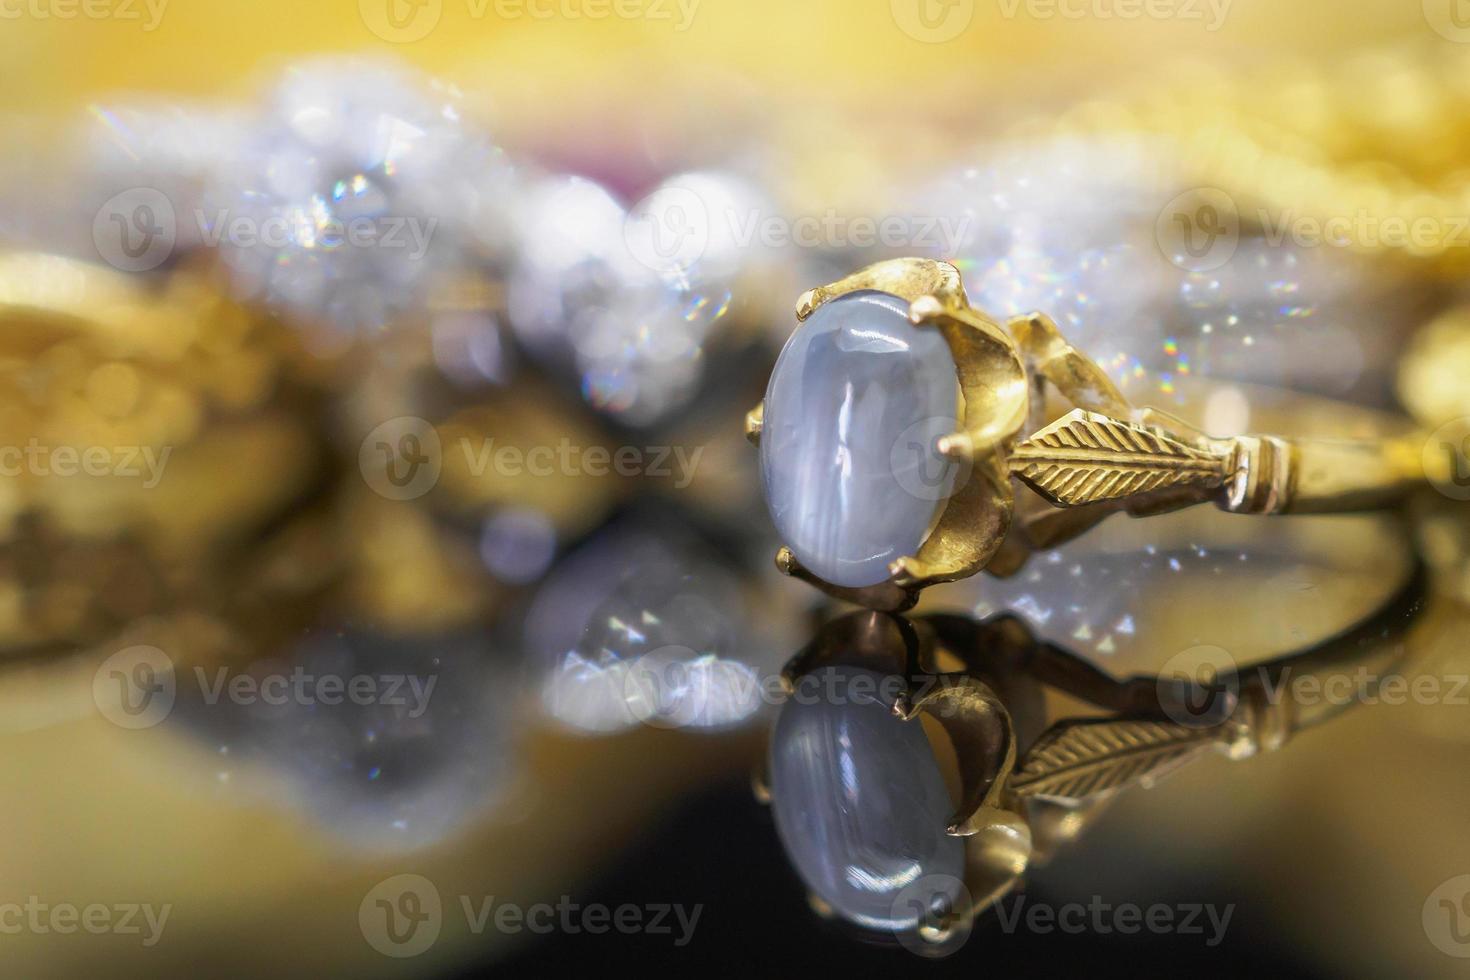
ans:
x=986 y=362
x=1104 y=457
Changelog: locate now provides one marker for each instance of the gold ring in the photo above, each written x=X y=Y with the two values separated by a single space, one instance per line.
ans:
x=881 y=480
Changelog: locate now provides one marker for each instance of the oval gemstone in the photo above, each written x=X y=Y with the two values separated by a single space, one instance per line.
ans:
x=860 y=804
x=856 y=402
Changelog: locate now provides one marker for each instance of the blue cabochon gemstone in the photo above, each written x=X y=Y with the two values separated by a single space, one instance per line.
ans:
x=856 y=402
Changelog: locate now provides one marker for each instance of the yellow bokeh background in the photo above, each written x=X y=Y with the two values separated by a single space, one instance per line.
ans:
x=842 y=51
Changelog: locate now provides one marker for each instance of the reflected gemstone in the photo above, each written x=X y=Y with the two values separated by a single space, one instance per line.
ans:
x=860 y=804
x=856 y=403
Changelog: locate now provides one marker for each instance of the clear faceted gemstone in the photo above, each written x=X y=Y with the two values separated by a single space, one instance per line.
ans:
x=855 y=405
x=860 y=804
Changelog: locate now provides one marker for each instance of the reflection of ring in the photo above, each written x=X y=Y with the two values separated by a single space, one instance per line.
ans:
x=846 y=802
x=876 y=359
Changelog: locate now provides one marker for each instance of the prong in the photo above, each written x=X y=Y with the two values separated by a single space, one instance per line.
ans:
x=1034 y=329
x=760 y=783
x=754 y=420
x=809 y=301
x=957 y=445
x=905 y=708
x=925 y=310
x=786 y=562
x=941 y=932
x=906 y=572
x=819 y=906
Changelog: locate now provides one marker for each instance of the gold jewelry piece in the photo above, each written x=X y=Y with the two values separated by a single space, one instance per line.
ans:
x=1103 y=457
x=1029 y=784
x=121 y=404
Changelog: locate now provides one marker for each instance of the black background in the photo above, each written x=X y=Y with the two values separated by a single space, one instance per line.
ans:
x=721 y=849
